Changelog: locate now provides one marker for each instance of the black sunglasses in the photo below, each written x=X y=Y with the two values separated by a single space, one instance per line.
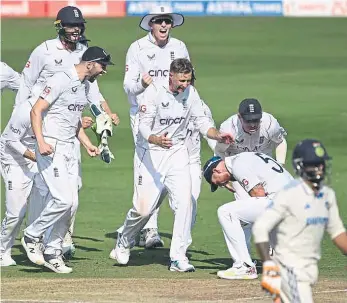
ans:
x=161 y=20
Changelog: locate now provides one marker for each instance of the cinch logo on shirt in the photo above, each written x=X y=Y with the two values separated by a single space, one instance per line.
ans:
x=15 y=130
x=158 y=73
x=76 y=107
x=317 y=220
x=170 y=121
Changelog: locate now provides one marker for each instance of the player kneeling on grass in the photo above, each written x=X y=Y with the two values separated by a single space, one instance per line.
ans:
x=55 y=120
x=297 y=219
x=261 y=177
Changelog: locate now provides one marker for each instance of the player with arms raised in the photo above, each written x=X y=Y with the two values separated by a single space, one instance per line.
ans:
x=297 y=218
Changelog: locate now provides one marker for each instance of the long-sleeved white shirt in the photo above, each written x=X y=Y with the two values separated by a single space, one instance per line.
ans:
x=251 y=169
x=193 y=141
x=47 y=59
x=67 y=97
x=269 y=135
x=144 y=56
x=298 y=218
x=8 y=77
x=17 y=136
x=166 y=112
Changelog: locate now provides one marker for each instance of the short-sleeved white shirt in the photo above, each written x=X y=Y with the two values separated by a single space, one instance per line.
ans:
x=67 y=97
x=250 y=169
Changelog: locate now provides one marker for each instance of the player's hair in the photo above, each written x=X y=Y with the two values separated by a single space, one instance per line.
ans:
x=181 y=66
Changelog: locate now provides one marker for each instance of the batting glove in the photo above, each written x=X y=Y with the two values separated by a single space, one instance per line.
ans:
x=271 y=279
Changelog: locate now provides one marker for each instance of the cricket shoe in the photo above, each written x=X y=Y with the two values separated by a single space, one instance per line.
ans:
x=152 y=238
x=243 y=272
x=34 y=250
x=181 y=266
x=120 y=253
x=6 y=260
x=55 y=262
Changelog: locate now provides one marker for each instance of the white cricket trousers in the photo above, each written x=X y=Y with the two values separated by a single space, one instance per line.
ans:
x=60 y=172
x=292 y=289
x=156 y=173
x=195 y=172
x=232 y=217
x=134 y=123
x=19 y=183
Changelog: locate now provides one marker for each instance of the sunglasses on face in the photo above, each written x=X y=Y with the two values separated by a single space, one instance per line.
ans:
x=161 y=20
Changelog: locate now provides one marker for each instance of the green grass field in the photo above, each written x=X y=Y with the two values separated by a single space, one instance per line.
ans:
x=297 y=68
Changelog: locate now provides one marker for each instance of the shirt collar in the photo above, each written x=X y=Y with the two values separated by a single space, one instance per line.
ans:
x=74 y=74
x=152 y=40
x=60 y=45
x=309 y=191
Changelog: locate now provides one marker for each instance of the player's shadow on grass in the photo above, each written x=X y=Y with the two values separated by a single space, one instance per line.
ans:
x=140 y=257
x=85 y=248
x=223 y=264
x=87 y=238
x=113 y=235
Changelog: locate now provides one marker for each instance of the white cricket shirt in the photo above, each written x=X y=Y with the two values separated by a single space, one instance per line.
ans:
x=166 y=112
x=299 y=218
x=250 y=169
x=8 y=77
x=269 y=135
x=18 y=131
x=144 y=56
x=67 y=97
x=47 y=59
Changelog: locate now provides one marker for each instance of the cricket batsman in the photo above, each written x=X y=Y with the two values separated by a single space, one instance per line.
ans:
x=55 y=119
x=297 y=218
x=161 y=163
x=148 y=60
x=261 y=177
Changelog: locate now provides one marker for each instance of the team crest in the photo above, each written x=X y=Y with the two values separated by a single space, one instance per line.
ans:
x=184 y=102
x=58 y=62
x=261 y=140
x=172 y=56
x=150 y=58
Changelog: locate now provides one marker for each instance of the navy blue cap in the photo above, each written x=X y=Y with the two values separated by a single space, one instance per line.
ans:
x=208 y=170
x=310 y=151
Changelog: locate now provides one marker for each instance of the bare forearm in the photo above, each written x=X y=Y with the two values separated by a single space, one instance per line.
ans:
x=29 y=155
x=36 y=124
x=105 y=107
x=83 y=138
x=213 y=133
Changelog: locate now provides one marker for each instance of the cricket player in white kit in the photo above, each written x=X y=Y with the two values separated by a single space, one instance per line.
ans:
x=254 y=131
x=161 y=163
x=20 y=174
x=56 y=55
x=8 y=77
x=55 y=120
x=261 y=177
x=148 y=59
x=297 y=218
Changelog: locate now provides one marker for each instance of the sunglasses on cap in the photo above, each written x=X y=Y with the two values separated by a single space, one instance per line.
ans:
x=167 y=20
